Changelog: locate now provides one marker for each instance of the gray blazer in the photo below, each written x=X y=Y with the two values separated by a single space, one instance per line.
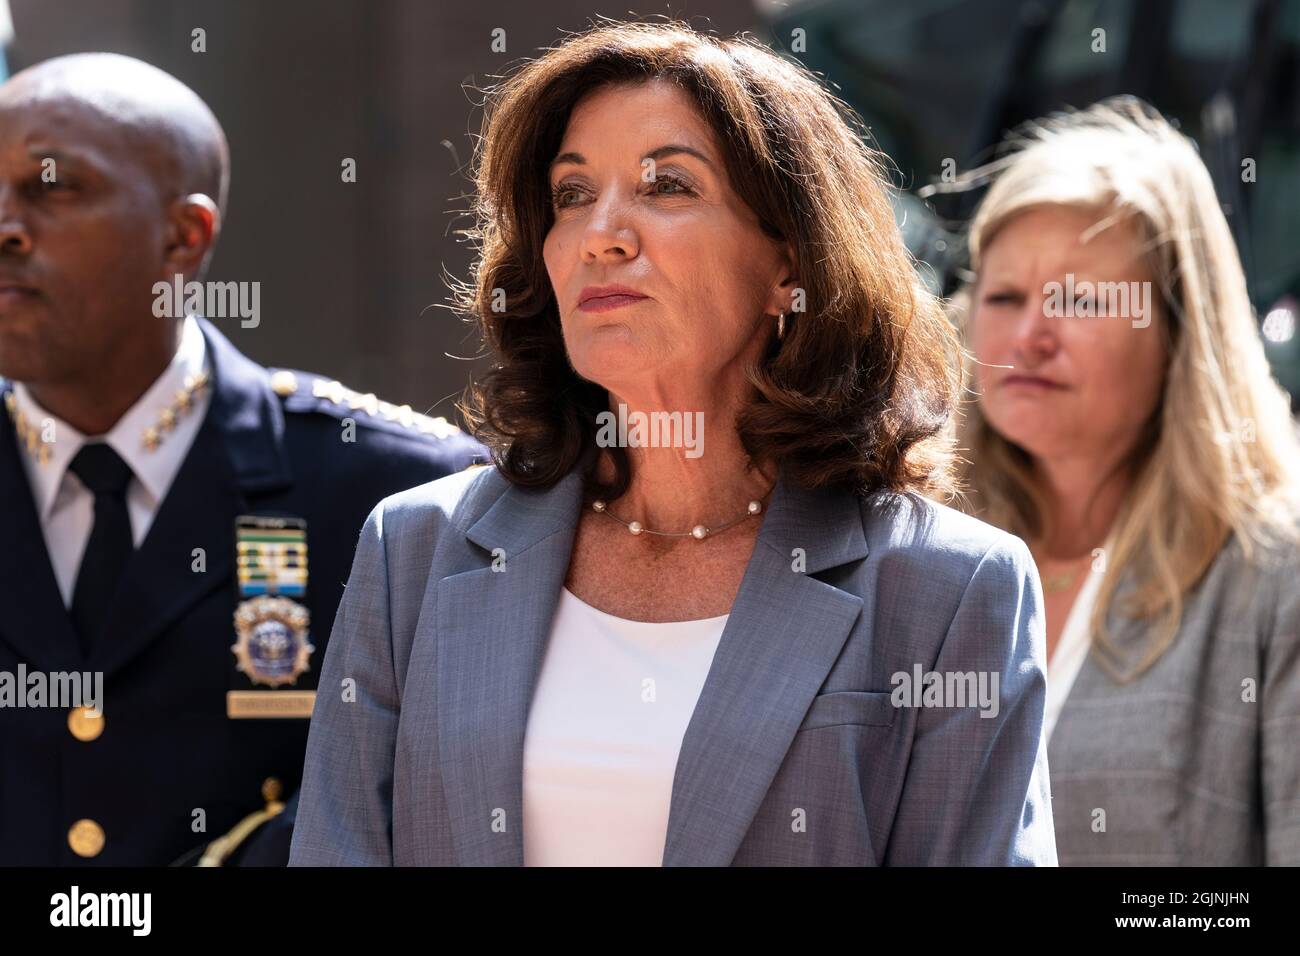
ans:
x=1197 y=762
x=795 y=753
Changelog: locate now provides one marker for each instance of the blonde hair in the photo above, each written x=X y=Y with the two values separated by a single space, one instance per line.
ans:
x=1219 y=456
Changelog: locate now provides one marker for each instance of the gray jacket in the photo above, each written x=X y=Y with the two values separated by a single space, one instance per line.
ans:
x=795 y=753
x=1197 y=762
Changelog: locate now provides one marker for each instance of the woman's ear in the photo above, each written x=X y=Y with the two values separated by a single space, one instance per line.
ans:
x=785 y=290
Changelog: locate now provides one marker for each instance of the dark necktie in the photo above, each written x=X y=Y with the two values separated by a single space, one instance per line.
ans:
x=104 y=472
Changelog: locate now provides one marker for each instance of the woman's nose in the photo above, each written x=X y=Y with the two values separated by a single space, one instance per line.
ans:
x=608 y=232
x=1035 y=331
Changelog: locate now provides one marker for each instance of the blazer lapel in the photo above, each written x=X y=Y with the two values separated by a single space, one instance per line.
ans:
x=35 y=622
x=783 y=635
x=237 y=451
x=785 y=631
x=492 y=632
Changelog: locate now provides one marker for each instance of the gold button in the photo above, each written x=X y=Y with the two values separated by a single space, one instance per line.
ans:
x=84 y=725
x=284 y=382
x=86 y=837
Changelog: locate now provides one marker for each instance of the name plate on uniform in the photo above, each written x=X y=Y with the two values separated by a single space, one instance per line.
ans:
x=272 y=674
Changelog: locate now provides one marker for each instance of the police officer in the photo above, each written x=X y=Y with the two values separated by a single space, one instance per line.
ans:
x=176 y=522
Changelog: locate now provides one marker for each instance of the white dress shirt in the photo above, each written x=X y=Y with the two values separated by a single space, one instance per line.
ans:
x=1072 y=648
x=66 y=507
x=604 y=731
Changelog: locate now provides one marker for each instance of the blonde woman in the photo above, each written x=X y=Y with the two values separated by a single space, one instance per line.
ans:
x=1124 y=424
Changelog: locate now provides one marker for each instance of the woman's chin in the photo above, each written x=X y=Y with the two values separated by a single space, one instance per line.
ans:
x=1040 y=439
x=1046 y=446
x=611 y=352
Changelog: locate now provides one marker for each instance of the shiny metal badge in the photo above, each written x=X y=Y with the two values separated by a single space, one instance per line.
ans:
x=271 y=677
x=272 y=646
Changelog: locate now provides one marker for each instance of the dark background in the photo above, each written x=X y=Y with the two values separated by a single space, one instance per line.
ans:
x=351 y=273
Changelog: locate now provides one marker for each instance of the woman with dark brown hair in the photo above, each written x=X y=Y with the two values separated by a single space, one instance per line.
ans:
x=704 y=608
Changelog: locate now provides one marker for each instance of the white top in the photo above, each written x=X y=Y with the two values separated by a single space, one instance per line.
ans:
x=604 y=731
x=66 y=507
x=1071 y=649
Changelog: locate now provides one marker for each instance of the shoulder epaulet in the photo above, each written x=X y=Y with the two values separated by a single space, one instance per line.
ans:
x=304 y=391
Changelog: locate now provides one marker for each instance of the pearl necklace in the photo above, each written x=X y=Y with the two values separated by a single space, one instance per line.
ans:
x=699 y=532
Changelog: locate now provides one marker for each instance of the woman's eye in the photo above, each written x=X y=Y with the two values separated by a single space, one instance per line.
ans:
x=558 y=194
x=679 y=186
x=676 y=187
x=1001 y=298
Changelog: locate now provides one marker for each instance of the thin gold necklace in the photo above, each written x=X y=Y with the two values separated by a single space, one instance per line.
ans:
x=1052 y=583
x=1062 y=580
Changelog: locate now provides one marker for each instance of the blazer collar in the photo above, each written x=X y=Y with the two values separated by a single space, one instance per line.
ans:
x=826 y=526
x=785 y=631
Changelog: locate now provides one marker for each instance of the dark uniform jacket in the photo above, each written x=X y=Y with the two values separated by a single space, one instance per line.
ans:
x=272 y=443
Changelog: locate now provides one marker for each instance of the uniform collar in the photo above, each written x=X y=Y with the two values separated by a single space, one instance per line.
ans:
x=154 y=468
x=248 y=415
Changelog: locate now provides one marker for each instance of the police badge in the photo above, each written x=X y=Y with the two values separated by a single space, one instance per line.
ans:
x=272 y=647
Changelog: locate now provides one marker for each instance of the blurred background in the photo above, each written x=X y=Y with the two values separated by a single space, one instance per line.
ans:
x=352 y=273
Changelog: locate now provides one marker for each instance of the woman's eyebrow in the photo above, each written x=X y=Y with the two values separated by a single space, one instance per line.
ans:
x=673 y=148
x=577 y=159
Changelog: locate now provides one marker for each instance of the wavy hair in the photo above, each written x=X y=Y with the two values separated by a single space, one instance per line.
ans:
x=859 y=393
x=1219 y=455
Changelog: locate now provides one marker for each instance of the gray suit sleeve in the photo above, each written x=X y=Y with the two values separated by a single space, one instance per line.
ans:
x=345 y=809
x=1280 y=730
x=977 y=791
